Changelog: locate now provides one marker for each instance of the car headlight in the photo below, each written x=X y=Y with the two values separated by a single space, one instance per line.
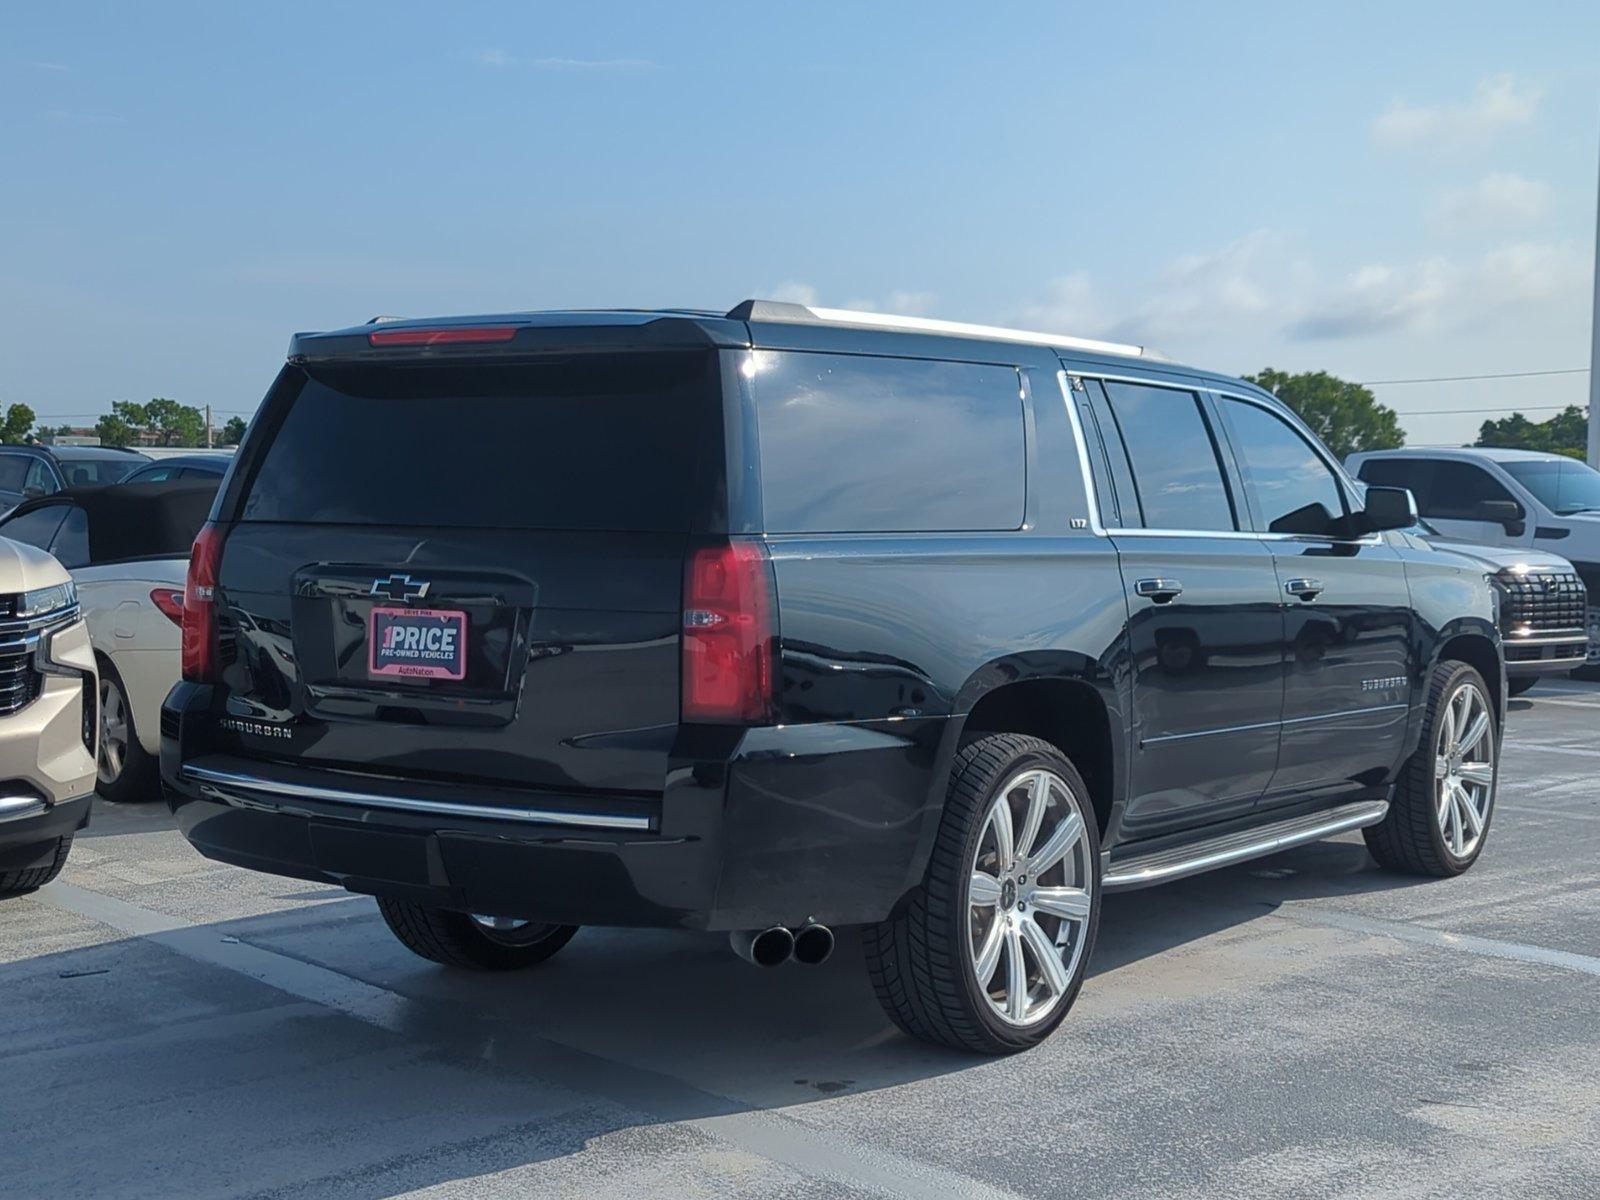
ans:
x=46 y=599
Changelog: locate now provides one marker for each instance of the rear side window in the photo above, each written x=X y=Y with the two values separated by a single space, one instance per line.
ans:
x=13 y=469
x=1177 y=475
x=1413 y=473
x=864 y=444
x=598 y=442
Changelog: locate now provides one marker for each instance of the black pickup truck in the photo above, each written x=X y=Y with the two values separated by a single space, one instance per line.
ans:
x=785 y=619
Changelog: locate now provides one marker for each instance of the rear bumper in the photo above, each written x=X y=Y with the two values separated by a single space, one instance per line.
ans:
x=753 y=827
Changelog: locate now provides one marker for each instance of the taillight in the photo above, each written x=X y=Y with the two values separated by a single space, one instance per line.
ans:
x=729 y=634
x=199 y=607
x=450 y=334
x=170 y=602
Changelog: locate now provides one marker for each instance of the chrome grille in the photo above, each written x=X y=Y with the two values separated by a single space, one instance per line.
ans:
x=1541 y=601
x=20 y=680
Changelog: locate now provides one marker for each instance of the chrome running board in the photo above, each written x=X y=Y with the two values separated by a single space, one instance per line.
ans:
x=1161 y=866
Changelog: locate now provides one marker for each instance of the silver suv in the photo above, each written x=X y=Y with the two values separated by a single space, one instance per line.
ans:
x=47 y=718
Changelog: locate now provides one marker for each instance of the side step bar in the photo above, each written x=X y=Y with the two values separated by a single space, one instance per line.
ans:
x=1162 y=866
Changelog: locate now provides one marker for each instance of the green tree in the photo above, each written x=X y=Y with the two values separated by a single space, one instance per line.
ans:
x=1346 y=416
x=1565 y=433
x=17 y=423
x=167 y=422
x=233 y=431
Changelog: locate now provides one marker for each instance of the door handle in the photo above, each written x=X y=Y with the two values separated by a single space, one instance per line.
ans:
x=1162 y=591
x=1306 y=589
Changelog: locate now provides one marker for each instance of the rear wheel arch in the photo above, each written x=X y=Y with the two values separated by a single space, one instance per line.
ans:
x=1069 y=713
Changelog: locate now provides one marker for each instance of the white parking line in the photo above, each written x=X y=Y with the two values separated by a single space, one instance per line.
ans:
x=1567 y=703
x=1423 y=936
x=1542 y=748
x=767 y=1134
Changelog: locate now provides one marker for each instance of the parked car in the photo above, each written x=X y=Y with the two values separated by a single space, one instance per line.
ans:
x=47 y=719
x=790 y=618
x=204 y=465
x=27 y=471
x=127 y=547
x=1516 y=498
x=1540 y=596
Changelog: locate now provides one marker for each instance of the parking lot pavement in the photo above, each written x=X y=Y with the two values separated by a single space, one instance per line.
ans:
x=1304 y=1025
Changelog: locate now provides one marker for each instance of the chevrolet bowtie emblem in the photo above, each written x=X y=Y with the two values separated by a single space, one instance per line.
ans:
x=399 y=587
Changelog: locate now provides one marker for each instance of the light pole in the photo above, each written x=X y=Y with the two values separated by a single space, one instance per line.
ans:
x=1594 y=347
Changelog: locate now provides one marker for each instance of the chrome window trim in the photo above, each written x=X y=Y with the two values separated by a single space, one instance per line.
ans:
x=1065 y=377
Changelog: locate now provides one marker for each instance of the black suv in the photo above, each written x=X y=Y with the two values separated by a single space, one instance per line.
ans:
x=789 y=618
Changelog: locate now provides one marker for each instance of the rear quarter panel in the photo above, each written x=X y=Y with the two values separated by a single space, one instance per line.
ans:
x=127 y=630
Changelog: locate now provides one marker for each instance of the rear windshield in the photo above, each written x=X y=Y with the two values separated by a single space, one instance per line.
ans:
x=583 y=443
x=863 y=444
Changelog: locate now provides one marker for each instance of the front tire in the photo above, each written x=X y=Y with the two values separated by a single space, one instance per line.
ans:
x=124 y=772
x=474 y=943
x=1438 y=820
x=991 y=951
x=19 y=883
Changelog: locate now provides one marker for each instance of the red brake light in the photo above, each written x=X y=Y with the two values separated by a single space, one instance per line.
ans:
x=170 y=602
x=200 y=663
x=729 y=634
x=442 y=337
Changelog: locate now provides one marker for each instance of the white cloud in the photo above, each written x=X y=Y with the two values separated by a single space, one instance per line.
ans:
x=791 y=291
x=1067 y=305
x=900 y=302
x=1441 y=294
x=493 y=58
x=1498 y=104
x=1496 y=201
x=592 y=64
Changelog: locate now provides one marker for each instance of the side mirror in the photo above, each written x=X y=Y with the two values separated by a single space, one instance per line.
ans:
x=1389 y=508
x=32 y=492
x=1502 y=512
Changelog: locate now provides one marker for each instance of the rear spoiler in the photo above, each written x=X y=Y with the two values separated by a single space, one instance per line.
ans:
x=491 y=338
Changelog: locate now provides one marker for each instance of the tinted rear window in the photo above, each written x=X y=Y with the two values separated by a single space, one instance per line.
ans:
x=599 y=442
x=89 y=472
x=862 y=444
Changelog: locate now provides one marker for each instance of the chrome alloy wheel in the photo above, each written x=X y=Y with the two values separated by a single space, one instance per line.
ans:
x=1029 y=897
x=512 y=931
x=113 y=733
x=1463 y=770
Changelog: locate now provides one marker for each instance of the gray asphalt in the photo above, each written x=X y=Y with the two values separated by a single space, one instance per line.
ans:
x=1305 y=1025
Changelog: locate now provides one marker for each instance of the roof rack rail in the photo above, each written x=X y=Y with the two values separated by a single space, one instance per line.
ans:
x=780 y=311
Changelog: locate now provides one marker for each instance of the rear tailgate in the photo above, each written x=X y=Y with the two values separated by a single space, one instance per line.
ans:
x=470 y=572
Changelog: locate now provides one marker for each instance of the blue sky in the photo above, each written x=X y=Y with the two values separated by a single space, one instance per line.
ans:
x=1380 y=190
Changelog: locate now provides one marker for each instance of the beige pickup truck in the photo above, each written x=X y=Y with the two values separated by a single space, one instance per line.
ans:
x=48 y=721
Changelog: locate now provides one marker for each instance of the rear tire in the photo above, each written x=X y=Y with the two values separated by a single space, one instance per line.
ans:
x=18 y=883
x=1516 y=687
x=124 y=772
x=1438 y=820
x=967 y=963
x=456 y=939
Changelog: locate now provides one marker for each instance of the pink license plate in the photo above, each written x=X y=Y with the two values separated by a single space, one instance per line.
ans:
x=417 y=643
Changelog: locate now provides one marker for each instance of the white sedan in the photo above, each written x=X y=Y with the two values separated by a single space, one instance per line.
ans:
x=127 y=549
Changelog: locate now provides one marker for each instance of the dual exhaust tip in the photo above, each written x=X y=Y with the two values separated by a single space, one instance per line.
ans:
x=810 y=944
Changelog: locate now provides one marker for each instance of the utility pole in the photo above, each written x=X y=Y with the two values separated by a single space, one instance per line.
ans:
x=208 y=427
x=1594 y=345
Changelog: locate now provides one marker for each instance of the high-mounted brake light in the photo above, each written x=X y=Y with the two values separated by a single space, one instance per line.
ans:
x=200 y=658
x=442 y=337
x=170 y=602
x=730 y=634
